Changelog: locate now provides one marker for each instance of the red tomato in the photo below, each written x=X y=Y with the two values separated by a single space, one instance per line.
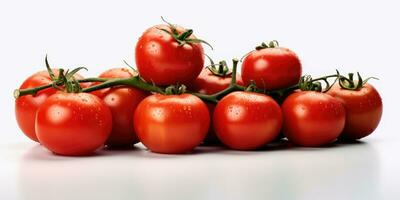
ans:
x=73 y=124
x=161 y=60
x=208 y=83
x=122 y=102
x=246 y=120
x=271 y=68
x=312 y=118
x=363 y=110
x=171 y=123
x=26 y=106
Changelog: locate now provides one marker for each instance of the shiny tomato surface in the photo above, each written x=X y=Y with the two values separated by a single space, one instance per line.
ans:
x=73 y=124
x=26 y=106
x=209 y=83
x=246 y=120
x=272 y=68
x=122 y=102
x=363 y=110
x=171 y=124
x=312 y=119
x=161 y=60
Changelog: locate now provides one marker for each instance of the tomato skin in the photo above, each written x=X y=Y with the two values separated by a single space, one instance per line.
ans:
x=312 y=119
x=122 y=102
x=272 y=68
x=73 y=124
x=363 y=110
x=208 y=83
x=246 y=120
x=171 y=124
x=161 y=60
x=26 y=106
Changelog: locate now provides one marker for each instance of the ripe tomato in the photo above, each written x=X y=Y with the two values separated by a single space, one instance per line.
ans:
x=26 y=106
x=209 y=83
x=271 y=68
x=161 y=60
x=246 y=120
x=171 y=123
x=122 y=102
x=363 y=110
x=312 y=118
x=73 y=124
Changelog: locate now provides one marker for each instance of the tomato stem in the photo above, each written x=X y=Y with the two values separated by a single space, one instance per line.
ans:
x=134 y=81
x=306 y=83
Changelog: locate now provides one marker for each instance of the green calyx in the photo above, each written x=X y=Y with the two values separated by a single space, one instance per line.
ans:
x=271 y=44
x=348 y=83
x=221 y=69
x=263 y=45
x=252 y=87
x=183 y=38
x=175 y=89
x=307 y=83
x=65 y=78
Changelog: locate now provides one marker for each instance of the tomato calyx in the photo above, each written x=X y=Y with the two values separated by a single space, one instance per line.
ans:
x=64 y=78
x=307 y=83
x=175 y=89
x=183 y=38
x=252 y=87
x=263 y=45
x=271 y=44
x=348 y=83
x=222 y=70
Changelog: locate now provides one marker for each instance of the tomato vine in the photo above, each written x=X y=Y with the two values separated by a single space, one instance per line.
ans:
x=306 y=83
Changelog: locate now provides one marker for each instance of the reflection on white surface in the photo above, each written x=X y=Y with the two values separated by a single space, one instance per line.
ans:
x=210 y=173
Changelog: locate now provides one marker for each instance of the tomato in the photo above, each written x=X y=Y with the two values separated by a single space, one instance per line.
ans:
x=73 y=124
x=271 y=68
x=171 y=123
x=246 y=120
x=26 y=106
x=312 y=119
x=161 y=60
x=209 y=83
x=363 y=110
x=122 y=101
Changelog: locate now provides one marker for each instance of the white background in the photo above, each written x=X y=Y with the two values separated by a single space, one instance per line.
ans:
x=347 y=35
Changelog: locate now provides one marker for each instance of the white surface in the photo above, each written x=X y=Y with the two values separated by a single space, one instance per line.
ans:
x=348 y=35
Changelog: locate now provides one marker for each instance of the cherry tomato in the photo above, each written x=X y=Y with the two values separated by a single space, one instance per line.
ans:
x=122 y=102
x=363 y=110
x=161 y=60
x=312 y=119
x=73 y=124
x=271 y=68
x=171 y=123
x=246 y=120
x=209 y=83
x=26 y=106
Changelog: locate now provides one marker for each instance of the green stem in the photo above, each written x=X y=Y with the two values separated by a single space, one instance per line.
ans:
x=30 y=91
x=139 y=83
x=34 y=91
x=135 y=81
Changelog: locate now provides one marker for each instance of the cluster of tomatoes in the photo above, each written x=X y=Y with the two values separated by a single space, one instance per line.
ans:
x=211 y=105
